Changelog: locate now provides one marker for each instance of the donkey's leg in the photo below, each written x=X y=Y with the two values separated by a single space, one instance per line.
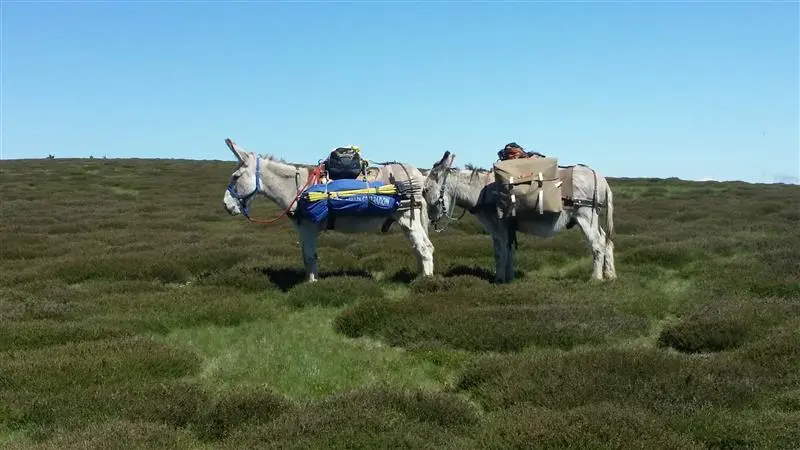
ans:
x=508 y=243
x=492 y=226
x=499 y=259
x=609 y=272
x=504 y=258
x=588 y=221
x=510 y=270
x=417 y=233
x=609 y=269
x=308 y=243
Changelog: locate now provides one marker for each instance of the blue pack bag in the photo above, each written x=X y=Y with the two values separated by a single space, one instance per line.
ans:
x=363 y=205
x=355 y=205
x=314 y=211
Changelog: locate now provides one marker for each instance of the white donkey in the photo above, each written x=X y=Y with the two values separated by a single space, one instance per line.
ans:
x=474 y=190
x=283 y=184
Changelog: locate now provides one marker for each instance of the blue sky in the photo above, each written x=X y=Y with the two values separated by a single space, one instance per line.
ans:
x=693 y=90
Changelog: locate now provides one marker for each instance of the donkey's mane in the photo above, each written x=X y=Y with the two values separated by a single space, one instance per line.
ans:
x=476 y=169
x=475 y=172
x=283 y=167
x=472 y=171
x=273 y=158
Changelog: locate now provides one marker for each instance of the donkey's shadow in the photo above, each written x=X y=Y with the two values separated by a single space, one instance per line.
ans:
x=286 y=278
x=476 y=271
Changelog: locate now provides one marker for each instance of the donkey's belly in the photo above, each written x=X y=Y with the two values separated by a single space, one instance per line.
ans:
x=544 y=225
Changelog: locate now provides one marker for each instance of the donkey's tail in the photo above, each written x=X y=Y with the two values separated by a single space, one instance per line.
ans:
x=609 y=214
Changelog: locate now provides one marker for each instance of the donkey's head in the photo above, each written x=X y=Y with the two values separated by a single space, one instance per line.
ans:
x=245 y=181
x=434 y=190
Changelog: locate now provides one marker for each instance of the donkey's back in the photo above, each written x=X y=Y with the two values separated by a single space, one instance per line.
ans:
x=588 y=185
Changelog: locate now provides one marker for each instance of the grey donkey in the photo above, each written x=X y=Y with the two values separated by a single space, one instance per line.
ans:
x=282 y=183
x=446 y=187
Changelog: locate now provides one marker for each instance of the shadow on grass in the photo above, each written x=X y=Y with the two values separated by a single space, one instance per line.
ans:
x=406 y=276
x=477 y=271
x=285 y=278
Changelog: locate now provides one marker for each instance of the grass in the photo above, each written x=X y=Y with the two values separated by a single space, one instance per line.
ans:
x=302 y=357
x=137 y=314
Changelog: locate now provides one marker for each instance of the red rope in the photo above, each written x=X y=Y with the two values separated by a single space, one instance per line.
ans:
x=312 y=177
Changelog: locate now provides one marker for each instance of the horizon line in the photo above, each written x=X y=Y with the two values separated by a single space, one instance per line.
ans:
x=789 y=180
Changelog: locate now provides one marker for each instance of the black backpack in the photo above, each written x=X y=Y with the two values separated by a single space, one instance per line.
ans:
x=344 y=163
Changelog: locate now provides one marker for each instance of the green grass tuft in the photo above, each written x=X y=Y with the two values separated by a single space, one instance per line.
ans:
x=118 y=435
x=600 y=425
x=725 y=326
x=371 y=418
x=243 y=405
x=334 y=292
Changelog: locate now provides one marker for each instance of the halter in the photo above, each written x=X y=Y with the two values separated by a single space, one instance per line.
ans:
x=440 y=203
x=244 y=198
x=313 y=176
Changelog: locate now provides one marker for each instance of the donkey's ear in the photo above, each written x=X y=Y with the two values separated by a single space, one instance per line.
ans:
x=448 y=159
x=445 y=159
x=238 y=152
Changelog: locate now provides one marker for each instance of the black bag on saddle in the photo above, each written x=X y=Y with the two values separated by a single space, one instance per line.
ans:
x=345 y=163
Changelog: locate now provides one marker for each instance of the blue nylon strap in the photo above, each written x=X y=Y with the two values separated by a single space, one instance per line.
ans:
x=243 y=198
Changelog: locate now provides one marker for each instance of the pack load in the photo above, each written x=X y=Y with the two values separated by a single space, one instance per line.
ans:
x=565 y=173
x=512 y=150
x=345 y=163
x=348 y=197
x=527 y=186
